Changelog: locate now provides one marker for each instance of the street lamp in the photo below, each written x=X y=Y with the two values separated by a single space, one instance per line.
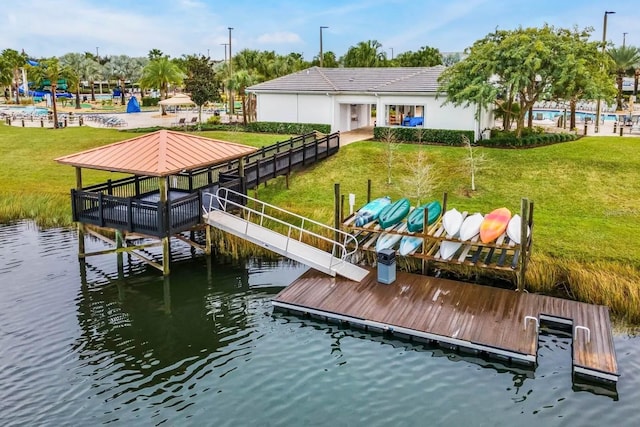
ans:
x=624 y=38
x=604 y=44
x=321 y=28
x=225 y=51
x=391 y=53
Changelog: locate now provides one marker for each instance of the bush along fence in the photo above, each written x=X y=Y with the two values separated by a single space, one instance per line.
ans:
x=454 y=137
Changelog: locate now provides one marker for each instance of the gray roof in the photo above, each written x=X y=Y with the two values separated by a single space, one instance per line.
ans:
x=315 y=79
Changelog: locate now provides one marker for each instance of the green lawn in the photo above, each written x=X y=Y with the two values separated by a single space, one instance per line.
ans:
x=585 y=192
x=34 y=186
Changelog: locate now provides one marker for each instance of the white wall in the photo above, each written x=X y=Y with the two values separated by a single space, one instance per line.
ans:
x=294 y=108
x=336 y=110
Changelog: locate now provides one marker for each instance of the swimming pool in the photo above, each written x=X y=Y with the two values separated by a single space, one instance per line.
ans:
x=26 y=111
x=580 y=115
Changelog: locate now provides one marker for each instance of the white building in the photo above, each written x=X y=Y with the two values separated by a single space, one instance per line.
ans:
x=351 y=98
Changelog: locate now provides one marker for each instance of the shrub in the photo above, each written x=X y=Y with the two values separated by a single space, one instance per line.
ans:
x=287 y=128
x=423 y=135
x=213 y=120
x=150 y=102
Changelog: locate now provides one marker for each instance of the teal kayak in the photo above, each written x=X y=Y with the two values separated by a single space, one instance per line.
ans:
x=394 y=213
x=415 y=222
x=371 y=210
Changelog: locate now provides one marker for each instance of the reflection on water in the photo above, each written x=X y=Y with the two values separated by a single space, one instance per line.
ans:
x=85 y=344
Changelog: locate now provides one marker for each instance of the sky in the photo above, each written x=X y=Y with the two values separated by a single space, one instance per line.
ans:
x=45 y=28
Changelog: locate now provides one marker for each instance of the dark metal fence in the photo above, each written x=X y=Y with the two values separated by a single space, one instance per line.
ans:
x=117 y=204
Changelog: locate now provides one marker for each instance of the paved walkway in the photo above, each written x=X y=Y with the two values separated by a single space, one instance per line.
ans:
x=360 y=134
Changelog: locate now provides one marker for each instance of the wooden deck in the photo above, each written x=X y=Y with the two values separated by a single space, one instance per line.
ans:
x=497 y=321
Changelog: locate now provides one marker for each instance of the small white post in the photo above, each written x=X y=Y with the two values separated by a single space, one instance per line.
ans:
x=352 y=202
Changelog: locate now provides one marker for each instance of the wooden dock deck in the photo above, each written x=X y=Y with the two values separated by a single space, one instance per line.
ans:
x=497 y=321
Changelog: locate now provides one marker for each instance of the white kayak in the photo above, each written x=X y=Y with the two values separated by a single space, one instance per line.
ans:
x=452 y=221
x=471 y=226
x=514 y=229
x=448 y=249
x=387 y=241
x=408 y=244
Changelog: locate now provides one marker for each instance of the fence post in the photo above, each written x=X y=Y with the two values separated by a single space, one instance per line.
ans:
x=368 y=190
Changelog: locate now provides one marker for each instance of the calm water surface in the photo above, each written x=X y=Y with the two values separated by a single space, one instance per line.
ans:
x=80 y=346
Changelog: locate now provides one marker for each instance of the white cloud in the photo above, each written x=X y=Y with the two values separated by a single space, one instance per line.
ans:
x=279 y=37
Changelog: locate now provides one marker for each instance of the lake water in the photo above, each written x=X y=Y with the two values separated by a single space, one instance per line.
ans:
x=80 y=346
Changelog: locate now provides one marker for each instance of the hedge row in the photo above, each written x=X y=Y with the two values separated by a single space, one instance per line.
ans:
x=150 y=102
x=527 y=141
x=287 y=128
x=422 y=135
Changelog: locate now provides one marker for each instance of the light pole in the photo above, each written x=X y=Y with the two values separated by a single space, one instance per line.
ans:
x=97 y=53
x=596 y=129
x=391 y=53
x=624 y=38
x=321 y=28
x=225 y=51
x=231 y=103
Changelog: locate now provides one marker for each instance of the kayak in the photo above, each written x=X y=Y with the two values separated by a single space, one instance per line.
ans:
x=387 y=241
x=471 y=226
x=371 y=210
x=452 y=221
x=394 y=213
x=415 y=221
x=408 y=244
x=494 y=224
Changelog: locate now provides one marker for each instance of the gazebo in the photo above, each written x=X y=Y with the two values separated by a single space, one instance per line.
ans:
x=164 y=197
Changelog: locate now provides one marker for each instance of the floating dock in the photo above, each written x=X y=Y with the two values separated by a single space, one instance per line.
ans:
x=498 y=322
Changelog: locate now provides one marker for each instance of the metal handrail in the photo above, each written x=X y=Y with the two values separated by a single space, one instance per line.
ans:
x=222 y=197
x=535 y=319
x=577 y=327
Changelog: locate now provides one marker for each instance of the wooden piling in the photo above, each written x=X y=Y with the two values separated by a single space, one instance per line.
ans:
x=524 y=238
x=336 y=210
x=207 y=239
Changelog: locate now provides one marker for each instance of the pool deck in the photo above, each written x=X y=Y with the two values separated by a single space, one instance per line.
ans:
x=499 y=322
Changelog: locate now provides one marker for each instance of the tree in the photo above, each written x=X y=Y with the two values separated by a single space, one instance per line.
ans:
x=517 y=66
x=74 y=64
x=365 y=54
x=583 y=73
x=201 y=82
x=425 y=57
x=420 y=182
x=451 y=58
x=155 y=54
x=14 y=60
x=123 y=68
x=238 y=83
x=329 y=60
x=92 y=71
x=473 y=162
x=389 y=137
x=160 y=73
x=624 y=58
x=51 y=70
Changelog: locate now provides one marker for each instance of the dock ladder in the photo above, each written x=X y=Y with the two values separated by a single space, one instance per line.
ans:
x=257 y=216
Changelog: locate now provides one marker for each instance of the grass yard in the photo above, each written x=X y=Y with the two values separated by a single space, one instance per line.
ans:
x=36 y=187
x=585 y=192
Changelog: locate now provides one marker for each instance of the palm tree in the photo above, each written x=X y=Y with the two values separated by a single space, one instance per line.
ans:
x=239 y=81
x=14 y=60
x=124 y=68
x=91 y=71
x=160 y=73
x=74 y=63
x=365 y=54
x=51 y=70
x=6 y=74
x=625 y=58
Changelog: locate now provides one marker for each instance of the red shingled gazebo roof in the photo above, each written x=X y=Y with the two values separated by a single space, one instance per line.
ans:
x=160 y=153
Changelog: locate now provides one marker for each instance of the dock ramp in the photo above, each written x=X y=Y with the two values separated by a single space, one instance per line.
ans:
x=256 y=221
